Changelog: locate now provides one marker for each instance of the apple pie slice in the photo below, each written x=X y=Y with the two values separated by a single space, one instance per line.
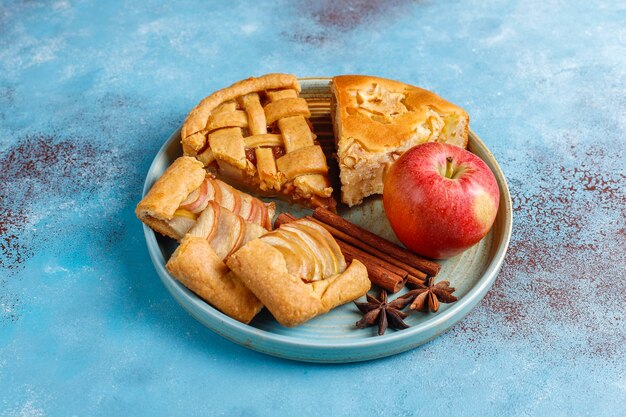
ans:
x=376 y=120
x=257 y=134
x=174 y=202
x=198 y=263
x=298 y=272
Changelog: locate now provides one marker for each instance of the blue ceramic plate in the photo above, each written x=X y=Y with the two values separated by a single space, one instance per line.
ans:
x=333 y=338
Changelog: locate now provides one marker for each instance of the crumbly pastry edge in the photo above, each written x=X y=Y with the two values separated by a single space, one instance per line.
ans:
x=164 y=197
x=197 y=267
x=199 y=115
x=262 y=269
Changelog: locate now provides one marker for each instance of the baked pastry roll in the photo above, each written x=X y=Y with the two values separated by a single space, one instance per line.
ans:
x=174 y=202
x=257 y=134
x=375 y=120
x=198 y=263
x=298 y=272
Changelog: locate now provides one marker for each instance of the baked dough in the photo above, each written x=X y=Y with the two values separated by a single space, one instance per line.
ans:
x=197 y=267
x=263 y=268
x=173 y=203
x=257 y=135
x=376 y=120
x=157 y=208
x=198 y=263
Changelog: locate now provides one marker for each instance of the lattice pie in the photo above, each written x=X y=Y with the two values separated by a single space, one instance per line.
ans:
x=256 y=134
x=376 y=120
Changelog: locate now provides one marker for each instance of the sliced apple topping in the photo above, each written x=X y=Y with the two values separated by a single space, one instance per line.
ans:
x=197 y=200
x=332 y=245
x=185 y=213
x=308 y=249
x=246 y=206
x=264 y=218
x=327 y=247
x=229 y=233
x=229 y=197
x=217 y=197
x=310 y=252
x=255 y=212
x=210 y=189
x=238 y=241
x=191 y=198
x=206 y=225
x=295 y=261
x=251 y=232
x=182 y=221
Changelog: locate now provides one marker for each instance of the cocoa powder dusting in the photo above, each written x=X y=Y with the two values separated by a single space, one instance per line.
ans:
x=34 y=170
x=12 y=251
x=348 y=14
x=565 y=263
x=335 y=17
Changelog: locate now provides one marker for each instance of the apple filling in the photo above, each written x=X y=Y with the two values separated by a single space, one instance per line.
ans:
x=363 y=172
x=182 y=221
x=250 y=209
x=224 y=230
x=310 y=252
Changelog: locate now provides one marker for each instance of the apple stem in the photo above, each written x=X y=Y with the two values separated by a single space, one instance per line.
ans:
x=449 y=169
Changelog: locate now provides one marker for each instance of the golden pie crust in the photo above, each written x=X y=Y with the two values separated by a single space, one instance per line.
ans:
x=376 y=120
x=199 y=261
x=257 y=134
x=160 y=207
x=263 y=269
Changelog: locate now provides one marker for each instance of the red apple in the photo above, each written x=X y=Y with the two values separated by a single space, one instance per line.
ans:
x=440 y=199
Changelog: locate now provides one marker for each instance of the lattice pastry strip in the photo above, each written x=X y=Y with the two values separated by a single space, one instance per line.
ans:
x=297 y=134
x=255 y=114
x=257 y=134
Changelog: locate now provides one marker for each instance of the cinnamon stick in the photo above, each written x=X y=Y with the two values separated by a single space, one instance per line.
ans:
x=338 y=234
x=282 y=219
x=381 y=273
x=377 y=272
x=425 y=265
x=413 y=281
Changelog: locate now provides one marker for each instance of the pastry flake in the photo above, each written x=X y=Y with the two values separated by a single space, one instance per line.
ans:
x=376 y=120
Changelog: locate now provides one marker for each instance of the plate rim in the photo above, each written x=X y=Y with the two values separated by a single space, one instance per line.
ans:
x=246 y=335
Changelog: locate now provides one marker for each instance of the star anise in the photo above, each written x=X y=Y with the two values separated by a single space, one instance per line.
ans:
x=427 y=296
x=387 y=314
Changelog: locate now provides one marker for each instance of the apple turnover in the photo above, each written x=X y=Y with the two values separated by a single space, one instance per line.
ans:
x=176 y=199
x=198 y=263
x=256 y=134
x=376 y=120
x=298 y=272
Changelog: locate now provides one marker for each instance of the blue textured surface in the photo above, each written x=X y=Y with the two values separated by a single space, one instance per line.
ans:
x=88 y=93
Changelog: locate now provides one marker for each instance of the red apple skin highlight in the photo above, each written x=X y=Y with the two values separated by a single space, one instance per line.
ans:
x=437 y=216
